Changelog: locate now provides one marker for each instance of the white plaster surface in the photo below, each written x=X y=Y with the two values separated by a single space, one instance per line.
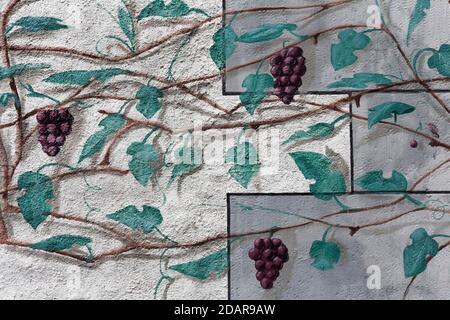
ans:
x=196 y=205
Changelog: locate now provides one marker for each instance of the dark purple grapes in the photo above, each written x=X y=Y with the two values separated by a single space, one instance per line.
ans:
x=269 y=255
x=53 y=127
x=414 y=144
x=287 y=67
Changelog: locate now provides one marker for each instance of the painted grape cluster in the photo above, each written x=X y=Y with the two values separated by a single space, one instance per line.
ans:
x=54 y=126
x=288 y=67
x=269 y=255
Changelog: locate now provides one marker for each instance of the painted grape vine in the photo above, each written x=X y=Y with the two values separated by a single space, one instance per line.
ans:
x=31 y=193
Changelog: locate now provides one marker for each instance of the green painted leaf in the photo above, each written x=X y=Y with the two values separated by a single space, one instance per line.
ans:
x=440 y=60
x=328 y=182
x=243 y=153
x=329 y=187
x=6 y=97
x=62 y=242
x=216 y=263
x=127 y=26
x=342 y=53
x=176 y=8
x=84 y=77
x=312 y=165
x=149 y=103
x=244 y=173
x=266 y=32
x=417 y=16
x=256 y=86
x=319 y=130
x=245 y=159
x=95 y=142
x=34 y=202
x=325 y=254
x=146 y=220
x=20 y=68
x=388 y=110
x=190 y=160
x=36 y=24
x=143 y=155
x=224 y=46
x=361 y=81
x=415 y=255
x=374 y=182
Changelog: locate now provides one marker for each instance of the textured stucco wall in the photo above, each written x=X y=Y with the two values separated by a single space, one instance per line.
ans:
x=196 y=205
x=193 y=208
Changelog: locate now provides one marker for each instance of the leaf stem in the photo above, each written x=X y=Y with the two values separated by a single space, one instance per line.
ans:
x=290 y=214
x=440 y=236
x=341 y=204
x=414 y=201
x=325 y=234
x=164 y=236
x=200 y=11
x=54 y=164
x=344 y=116
x=177 y=54
x=299 y=36
x=149 y=134
x=123 y=106
x=417 y=55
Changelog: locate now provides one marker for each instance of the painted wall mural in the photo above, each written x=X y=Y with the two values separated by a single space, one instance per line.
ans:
x=125 y=124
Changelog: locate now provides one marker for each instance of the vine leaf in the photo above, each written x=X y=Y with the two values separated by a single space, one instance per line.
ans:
x=256 y=86
x=417 y=16
x=319 y=130
x=84 y=77
x=440 y=60
x=266 y=32
x=62 y=242
x=95 y=142
x=6 y=97
x=329 y=183
x=245 y=159
x=149 y=103
x=224 y=45
x=375 y=182
x=415 y=255
x=36 y=24
x=388 y=110
x=202 y=269
x=33 y=204
x=325 y=253
x=18 y=69
x=146 y=220
x=176 y=8
x=127 y=26
x=243 y=174
x=243 y=153
x=361 y=81
x=342 y=53
x=143 y=155
x=190 y=159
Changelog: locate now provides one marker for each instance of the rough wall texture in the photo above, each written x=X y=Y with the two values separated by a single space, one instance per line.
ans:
x=125 y=262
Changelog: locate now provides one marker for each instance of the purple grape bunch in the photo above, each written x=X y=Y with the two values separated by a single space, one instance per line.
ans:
x=53 y=127
x=287 y=67
x=269 y=255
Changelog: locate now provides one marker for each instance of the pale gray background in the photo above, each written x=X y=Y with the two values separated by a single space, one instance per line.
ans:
x=381 y=245
x=380 y=56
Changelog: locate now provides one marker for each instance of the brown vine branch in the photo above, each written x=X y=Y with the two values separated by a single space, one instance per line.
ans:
x=173 y=35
